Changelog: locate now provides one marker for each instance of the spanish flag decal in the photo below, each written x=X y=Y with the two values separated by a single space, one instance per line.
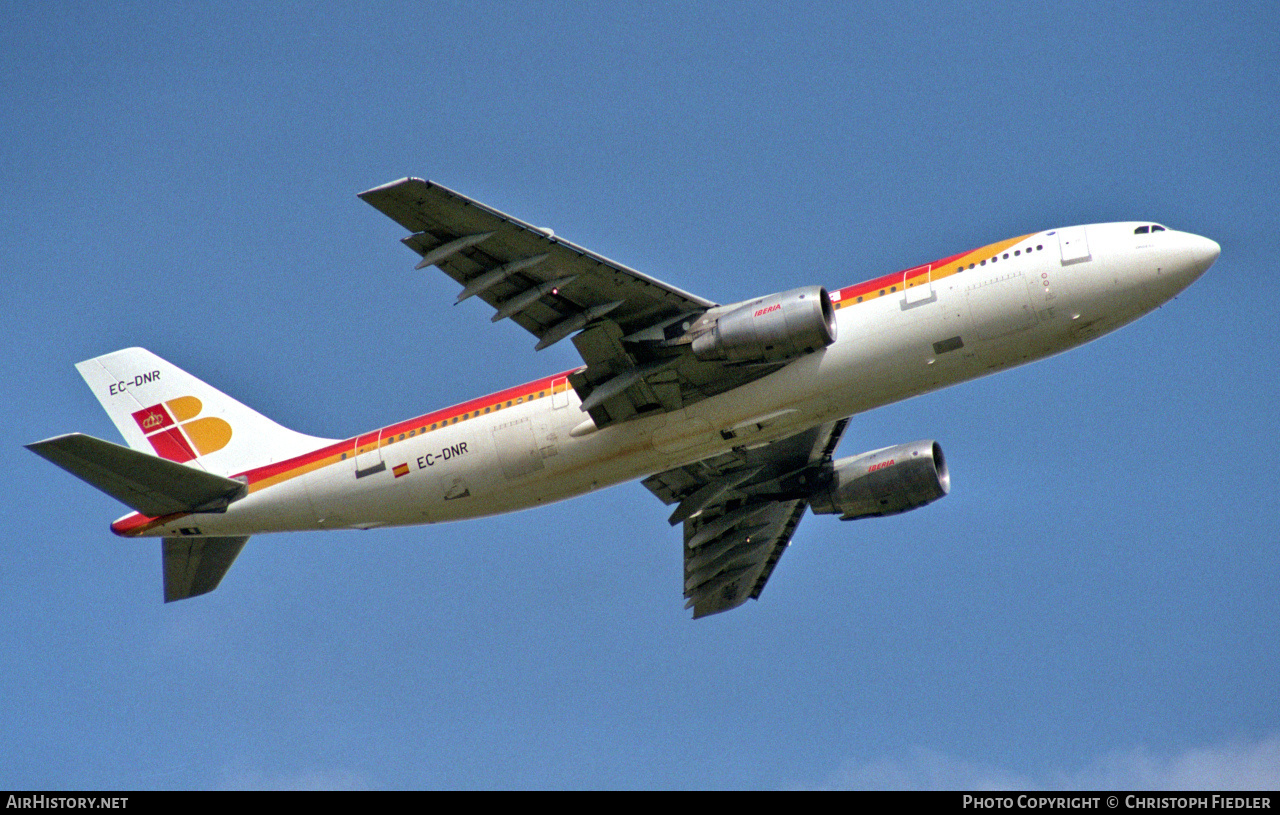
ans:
x=400 y=469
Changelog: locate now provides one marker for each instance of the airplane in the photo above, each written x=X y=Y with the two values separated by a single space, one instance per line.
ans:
x=730 y=413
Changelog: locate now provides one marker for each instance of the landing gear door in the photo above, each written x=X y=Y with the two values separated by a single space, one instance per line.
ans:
x=1074 y=244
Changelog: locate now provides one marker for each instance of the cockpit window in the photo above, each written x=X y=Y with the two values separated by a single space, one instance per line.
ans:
x=1142 y=230
x=1157 y=228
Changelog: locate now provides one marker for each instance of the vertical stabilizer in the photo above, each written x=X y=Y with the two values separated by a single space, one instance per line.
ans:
x=163 y=410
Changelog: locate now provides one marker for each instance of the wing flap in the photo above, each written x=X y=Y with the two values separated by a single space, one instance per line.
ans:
x=740 y=510
x=151 y=485
x=728 y=569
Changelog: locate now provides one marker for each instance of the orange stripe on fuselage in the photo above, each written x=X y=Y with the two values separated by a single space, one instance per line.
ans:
x=917 y=275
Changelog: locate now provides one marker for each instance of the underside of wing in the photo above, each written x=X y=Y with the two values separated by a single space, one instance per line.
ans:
x=739 y=511
x=505 y=261
x=723 y=570
x=149 y=484
x=632 y=330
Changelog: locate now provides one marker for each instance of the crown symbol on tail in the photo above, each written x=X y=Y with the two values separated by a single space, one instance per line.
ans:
x=176 y=433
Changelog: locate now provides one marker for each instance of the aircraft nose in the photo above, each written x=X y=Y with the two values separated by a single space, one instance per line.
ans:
x=1203 y=253
x=1191 y=257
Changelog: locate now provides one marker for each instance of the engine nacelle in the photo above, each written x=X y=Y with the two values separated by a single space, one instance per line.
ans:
x=884 y=482
x=771 y=329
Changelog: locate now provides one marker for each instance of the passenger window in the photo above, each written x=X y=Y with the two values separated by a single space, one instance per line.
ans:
x=1142 y=230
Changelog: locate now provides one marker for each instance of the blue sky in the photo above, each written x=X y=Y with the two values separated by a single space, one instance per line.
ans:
x=1095 y=604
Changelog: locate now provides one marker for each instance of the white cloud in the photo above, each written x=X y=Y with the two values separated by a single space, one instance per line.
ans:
x=1234 y=765
x=1237 y=764
x=924 y=770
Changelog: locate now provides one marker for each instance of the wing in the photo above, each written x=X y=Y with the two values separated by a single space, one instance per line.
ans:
x=740 y=510
x=631 y=329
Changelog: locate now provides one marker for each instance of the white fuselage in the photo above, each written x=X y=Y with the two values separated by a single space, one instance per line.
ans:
x=931 y=327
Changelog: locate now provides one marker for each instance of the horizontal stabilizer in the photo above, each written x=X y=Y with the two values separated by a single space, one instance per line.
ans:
x=195 y=566
x=151 y=485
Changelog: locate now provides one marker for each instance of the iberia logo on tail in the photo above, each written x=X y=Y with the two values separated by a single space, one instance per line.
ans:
x=176 y=433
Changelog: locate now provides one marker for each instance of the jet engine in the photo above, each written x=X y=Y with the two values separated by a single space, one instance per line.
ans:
x=771 y=329
x=884 y=482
